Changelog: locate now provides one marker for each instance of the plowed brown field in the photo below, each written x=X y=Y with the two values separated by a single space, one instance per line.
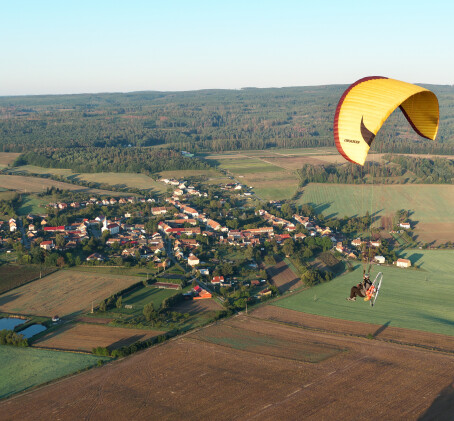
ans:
x=85 y=337
x=283 y=277
x=198 y=377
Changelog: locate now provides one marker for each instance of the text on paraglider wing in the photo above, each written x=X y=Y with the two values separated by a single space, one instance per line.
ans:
x=351 y=141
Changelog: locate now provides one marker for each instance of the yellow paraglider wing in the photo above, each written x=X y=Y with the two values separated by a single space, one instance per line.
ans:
x=365 y=106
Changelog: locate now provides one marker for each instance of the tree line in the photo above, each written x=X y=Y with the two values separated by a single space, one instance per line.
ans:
x=394 y=169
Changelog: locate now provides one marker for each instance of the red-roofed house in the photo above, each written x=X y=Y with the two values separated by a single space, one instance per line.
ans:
x=47 y=245
x=217 y=280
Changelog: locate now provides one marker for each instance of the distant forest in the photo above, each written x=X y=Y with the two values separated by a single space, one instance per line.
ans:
x=201 y=121
x=400 y=169
x=92 y=160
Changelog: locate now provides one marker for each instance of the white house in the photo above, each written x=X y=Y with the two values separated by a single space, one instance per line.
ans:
x=379 y=259
x=193 y=260
x=403 y=263
x=405 y=225
x=47 y=245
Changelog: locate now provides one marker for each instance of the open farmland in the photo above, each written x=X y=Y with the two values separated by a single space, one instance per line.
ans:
x=117 y=180
x=205 y=375
x=7 y=158
x=12 y=275
x=284 y=277
x=431 y=205
x=24 y=184
x=85 y=337
x=64 y=292
x=23 y=368
x=409 y=298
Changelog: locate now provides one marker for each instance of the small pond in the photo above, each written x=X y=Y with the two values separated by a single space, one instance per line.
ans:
x=10 y=323
x=32 y=330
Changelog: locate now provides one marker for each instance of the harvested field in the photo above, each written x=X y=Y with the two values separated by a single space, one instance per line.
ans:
x=85 y=337
x=7 y=158
x=283 y=277
x=12 y=275
x=259 y=340
x=25 y=184
x=117 y=180
x=195 y=378
x=63 y=292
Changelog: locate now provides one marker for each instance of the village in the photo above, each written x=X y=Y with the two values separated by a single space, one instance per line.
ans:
x=189 y=227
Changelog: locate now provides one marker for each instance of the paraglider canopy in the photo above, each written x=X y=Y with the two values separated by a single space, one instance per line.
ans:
x=365 y=106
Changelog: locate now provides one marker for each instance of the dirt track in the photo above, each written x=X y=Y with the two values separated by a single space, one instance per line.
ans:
x=193 y=378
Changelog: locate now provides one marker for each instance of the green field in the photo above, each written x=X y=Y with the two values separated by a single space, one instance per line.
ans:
x=138 y=299
x=142 y=296
x=118 y=180
x=430 y=203
x=409 y=298
x=23 y=368
x=33 y=204
x=247 y=165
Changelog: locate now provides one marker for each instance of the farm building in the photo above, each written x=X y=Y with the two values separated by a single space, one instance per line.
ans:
x=403 y=263
x=203 y=294
x=405 y=225
x=379 y=259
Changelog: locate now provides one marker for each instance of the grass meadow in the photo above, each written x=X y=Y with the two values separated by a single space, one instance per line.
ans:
x=23 y=368
x=409 y=298
x=427 y=202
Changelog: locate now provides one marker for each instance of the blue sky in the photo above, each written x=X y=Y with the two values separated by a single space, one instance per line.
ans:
x=70 y=46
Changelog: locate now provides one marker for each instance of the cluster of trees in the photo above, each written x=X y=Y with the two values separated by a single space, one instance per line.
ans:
x=427 y=170
x=111 y=160
x=8 y=207
x=409 y=169
x=9 y=337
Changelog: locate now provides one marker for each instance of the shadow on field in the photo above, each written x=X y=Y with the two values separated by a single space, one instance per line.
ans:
x=381 y=329
x=449 y=322
x=442 y=407
x=125 y=342
x=8 y=298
